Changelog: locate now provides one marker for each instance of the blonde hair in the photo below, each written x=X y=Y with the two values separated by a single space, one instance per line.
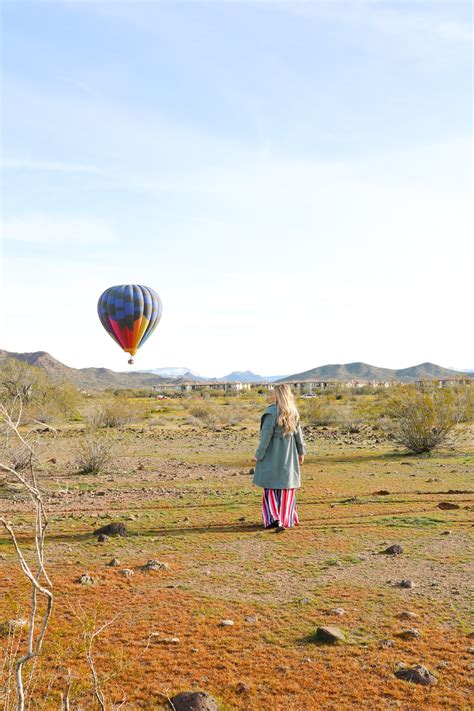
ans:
x=288 y=415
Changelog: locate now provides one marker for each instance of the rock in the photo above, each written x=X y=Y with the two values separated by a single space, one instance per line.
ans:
x=170 y=640
x=101 y=538
x=242 y=688
x=386 y=643
x=85 y=579
x=395 y=549
x=338 y=611
x=112 y=529
x=194 y=701
x=153 y=564
x=127 y=572
x=251 y=619
x=448 y=506
x=382 y=492
x=113 y=563
x=406 y=584
x=252 y=471
x=445 y=533
x=417 y=675
x=227 y=623
x=411 y=633
x=470 y=650
x=329 y=635
x=407 y=615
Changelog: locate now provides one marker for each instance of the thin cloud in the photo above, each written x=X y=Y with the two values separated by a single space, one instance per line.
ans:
x=49 y=229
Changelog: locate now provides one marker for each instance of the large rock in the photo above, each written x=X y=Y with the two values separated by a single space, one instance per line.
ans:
x=329 y=635
x=194 y=701
x=448 y=506
x=417 y=675
x=112 y=529
x=396 y=549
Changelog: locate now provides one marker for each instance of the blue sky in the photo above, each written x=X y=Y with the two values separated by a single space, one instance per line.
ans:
x=294 y=179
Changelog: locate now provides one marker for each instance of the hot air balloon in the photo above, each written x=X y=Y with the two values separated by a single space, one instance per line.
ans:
x=130 y=313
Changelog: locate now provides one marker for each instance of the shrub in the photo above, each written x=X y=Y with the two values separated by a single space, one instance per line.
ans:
x=422 y=420
x=205 y=412
x=94 y=454
x=319 y=411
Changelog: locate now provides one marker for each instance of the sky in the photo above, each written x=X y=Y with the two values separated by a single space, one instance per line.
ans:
x=294 y=180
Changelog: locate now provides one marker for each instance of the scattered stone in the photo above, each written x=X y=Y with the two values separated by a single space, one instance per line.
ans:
x=338 y=611
x=113 y=563
x=112 y=529
x=386 y=643
x=470 y=635
x=470 y=650
x=101 y=538
x=227 y=623
x=127 y=572
x=406 y=464
x=382 y=492
x=417 y=675
x=153 y=564
x=448 y=506
x=242 y=688
x=194 y=701
x=411 y=633
x=252 y=471
x=186 y=519
x=308 y=660
x=242 y=518
x=406 y=584
x=396 y=549
x=170 y=640
x=329 y=635
x=85 y=579
x=445 y=533
x=407 y=615
x=251 y=619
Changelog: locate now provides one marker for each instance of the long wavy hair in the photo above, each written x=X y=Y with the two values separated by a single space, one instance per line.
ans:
x=288 y=415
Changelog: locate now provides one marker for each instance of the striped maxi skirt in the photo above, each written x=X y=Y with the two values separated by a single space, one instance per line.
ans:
x=279 y=505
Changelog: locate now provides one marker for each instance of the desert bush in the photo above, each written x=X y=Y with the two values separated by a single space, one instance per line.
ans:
x=422 y=420
x=318 y=411
x=94 y=454
x=110 y=414
x=41 y=398
x=205 y=412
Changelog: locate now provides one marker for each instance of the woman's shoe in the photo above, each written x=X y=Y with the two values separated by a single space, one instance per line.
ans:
x=280 y=529
x=273 y=524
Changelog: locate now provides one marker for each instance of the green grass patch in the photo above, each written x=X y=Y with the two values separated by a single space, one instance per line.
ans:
x=411 y=521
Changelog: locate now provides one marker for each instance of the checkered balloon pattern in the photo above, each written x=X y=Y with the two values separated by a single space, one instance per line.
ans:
x=130 y=313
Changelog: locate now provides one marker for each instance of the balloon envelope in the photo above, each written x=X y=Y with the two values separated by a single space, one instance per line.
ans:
x=130 y=313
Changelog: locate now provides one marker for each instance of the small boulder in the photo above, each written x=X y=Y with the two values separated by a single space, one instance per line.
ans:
x=194 y=701
x=406 y=584
x=417 y=675
x=227 y=623
x=101 y=538
x=113 y=563
x=329 y=635
x=338 y=611
x=448 y=506
x=395 y=549
x=382 y=492
x=411 y=633
x=85 y=579
x=112 y=529
x=242 y=688
x=153 y=564
x=407 y=615
x=127 y=572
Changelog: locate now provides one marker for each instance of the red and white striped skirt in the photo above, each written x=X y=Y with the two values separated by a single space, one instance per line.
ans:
x=279 y=505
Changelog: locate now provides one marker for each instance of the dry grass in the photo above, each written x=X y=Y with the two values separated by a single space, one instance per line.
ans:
x=186 y=496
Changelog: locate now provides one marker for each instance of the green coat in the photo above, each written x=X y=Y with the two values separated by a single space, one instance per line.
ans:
x=277 y=464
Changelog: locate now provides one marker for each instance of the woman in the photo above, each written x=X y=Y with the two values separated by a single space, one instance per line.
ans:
x=278 y=458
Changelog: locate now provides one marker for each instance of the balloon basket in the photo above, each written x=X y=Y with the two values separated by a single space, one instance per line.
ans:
x=131 y=361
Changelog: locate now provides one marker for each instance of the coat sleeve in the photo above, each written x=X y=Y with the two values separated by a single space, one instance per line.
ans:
x=266 y=433
x=300 y=445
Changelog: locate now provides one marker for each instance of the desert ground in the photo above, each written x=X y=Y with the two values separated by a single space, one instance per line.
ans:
x=184 y=491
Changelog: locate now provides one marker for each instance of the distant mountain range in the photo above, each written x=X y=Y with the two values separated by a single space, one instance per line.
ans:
x=363 y=371
x=102 y=378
